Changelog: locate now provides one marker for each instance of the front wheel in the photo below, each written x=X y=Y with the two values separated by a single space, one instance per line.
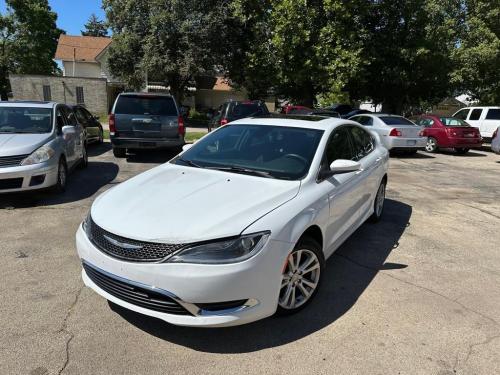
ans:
x=301 y=277
x=62 y=175
x=101 y=136
x=378 y=204
x=461 y=151
x=84 y=161
x=431 y=145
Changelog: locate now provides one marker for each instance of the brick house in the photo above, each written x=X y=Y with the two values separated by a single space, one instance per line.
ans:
x=85 y=80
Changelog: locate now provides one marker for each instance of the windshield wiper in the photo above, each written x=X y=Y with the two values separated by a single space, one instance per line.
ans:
x=190 y=163
x=235 y=169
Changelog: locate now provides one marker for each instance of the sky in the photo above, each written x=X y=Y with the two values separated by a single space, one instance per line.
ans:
x=72 y=14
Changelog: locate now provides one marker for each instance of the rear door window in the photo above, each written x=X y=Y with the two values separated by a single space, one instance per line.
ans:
x=362 y=142
x=247 y=110
x=493 y=114
x=146 y=105
x=475 y=114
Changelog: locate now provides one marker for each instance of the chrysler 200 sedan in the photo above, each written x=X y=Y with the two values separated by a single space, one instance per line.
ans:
x=237 y=227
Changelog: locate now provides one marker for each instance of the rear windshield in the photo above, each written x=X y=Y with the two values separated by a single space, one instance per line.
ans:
x=247 y=110
x=25 y=120
x=146 y=105
x=451 y=121
x=395 y=120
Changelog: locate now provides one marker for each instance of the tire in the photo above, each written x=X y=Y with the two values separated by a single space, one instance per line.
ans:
x=294 y=287
x=432 y=145
x=378 y=206
x=101 y=136
x=461 y=151
x=62 y=177
x=119 y=152
x=84 y=162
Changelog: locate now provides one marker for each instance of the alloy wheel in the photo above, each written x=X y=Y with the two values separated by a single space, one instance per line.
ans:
x=300 y=279
x=379 y=202
x=62 y=175
x=431 y=145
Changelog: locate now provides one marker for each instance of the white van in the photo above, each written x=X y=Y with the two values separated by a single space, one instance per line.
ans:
x=487 y=119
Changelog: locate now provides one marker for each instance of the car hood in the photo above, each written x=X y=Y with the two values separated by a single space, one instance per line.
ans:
x=177 y=204
x=21 y=144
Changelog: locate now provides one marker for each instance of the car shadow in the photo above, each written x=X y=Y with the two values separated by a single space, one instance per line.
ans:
x=81 y=184
x=151 y=156
x=418 y=155
x=348 y=274
x=97 y=149
x=454 y=153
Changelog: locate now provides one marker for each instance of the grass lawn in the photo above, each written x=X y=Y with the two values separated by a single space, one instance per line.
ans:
x=190 y=137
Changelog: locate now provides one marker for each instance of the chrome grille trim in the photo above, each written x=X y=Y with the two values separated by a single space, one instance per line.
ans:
x=129 y=249
x=12 y=161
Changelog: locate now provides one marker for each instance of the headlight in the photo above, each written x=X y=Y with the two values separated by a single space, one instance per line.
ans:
x=223 y=252
x=86 y=225
x=40 y=155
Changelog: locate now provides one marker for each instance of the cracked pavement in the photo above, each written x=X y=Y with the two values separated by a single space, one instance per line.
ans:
x=418 y=293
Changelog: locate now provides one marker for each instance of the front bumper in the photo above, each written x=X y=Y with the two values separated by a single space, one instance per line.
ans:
x=400 y=143
x=147 y=143
x=256 y=280
x=29 y=177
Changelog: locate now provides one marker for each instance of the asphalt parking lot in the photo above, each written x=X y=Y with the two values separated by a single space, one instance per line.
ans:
x=418 y=293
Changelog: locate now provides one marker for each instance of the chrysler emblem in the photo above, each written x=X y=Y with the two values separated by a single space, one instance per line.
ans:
x=122 y=244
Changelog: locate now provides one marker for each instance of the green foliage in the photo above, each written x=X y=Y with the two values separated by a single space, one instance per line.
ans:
x=95 y=27
x=172 y=41
x=28 y=40
x=477 y=57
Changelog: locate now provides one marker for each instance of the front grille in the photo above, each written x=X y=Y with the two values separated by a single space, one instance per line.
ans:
x=11 y=183
x=12 y=161
x=138 y=251
x=133 y=294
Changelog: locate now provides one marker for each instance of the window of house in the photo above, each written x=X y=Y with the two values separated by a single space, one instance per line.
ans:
x=47 y=95
x=80 y=99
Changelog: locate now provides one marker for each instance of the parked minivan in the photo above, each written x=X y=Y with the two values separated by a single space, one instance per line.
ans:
x=145 y=121
x=487 y=119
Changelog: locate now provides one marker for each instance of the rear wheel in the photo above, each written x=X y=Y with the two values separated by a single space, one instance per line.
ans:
x=101 y=136
x=461 y=151
x=119 y=152
x=432 y=145
x=301 y=277
x=378 y=204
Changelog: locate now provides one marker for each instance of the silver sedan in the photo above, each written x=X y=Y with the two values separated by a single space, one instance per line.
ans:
x=396 y=132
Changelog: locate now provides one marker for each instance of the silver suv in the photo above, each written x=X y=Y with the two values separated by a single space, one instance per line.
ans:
x=145 y=121
x=39 y=143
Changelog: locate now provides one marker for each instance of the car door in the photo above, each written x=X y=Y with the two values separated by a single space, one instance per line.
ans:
x=491 y=122
x=343 y=190
x=74 y=142
x=369 y=177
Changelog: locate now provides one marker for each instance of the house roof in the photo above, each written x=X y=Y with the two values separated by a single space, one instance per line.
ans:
x=80 y=48
x=222 y=84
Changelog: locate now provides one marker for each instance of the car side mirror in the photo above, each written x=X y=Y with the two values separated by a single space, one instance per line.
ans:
x=68 y=130
x=341 y=166
x=187 y=146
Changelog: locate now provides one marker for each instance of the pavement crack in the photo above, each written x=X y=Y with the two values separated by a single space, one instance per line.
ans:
x=472 y=346
x=481 y=210
x=455 y=301
x=64 y=329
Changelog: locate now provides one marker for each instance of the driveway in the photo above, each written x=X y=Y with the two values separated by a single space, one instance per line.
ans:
x=418 y=293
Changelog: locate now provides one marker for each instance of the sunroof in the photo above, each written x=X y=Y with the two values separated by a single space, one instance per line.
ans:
x=294 y=117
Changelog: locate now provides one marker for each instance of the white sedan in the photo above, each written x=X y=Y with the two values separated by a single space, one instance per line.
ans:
x=237 y=227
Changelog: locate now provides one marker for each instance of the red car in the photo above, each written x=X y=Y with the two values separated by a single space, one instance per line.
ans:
x=296 y=110
x=449 y=132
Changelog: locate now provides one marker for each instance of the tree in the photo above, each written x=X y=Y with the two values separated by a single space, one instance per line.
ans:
x=477 y=57
x=172 y=41
x=28 y=40
x=95 y=27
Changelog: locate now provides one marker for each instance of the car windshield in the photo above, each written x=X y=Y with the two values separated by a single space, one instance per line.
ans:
x=451 y=121
x=396 y=120
x=266 y=151
x=146 y=105
x=25 y=120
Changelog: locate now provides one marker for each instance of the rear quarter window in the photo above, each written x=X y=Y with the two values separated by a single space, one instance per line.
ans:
x=146 y=105
x=493 y=114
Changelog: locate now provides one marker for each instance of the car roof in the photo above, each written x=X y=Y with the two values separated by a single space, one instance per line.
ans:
x=27 y=104
x=479 y=106
x=145 y=94
x=311 y=122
